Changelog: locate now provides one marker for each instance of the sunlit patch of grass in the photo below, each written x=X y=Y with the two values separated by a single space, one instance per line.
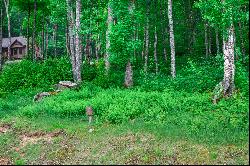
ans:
x=133 y=143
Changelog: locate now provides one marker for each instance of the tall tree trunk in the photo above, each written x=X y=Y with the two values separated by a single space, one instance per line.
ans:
x=217 y=40
x=164 y=30
x=34 y=32
x=7 y=3
x=28 y=34
x=156 y=40
x=210 y=41
x=1 y=38
x=42 y=48
x=229 y=67
x=71 y=37
x=172 y=44
x=144 y=43
x=78 y=53
x=129 y=71
x=206 y=39
x=128 y=75
x=109 y=24
x=47 y=41
x=155 y=52
x=67 y=38
x=147 y=40
x=192 y=27
x=55 y=40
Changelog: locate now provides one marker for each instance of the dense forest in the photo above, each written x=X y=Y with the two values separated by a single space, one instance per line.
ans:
x=172 y=69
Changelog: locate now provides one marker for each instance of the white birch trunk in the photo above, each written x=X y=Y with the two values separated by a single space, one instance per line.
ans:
x=34 y=32
x=6 y=3
x=229 y=67
x=78 y=53
x=147 y=42
x=171 y=33
x=155 y=53
x=71 y=37
x=109 y=24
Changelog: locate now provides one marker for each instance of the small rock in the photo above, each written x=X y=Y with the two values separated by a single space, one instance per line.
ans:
x=40 y=96
x=91 y=130
x=68 y=84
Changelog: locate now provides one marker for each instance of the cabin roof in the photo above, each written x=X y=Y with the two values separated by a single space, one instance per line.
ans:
x=20 y=39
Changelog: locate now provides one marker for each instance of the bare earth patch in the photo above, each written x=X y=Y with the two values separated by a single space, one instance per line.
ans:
x=33 y=138
x=4 y=161
x=4 y=128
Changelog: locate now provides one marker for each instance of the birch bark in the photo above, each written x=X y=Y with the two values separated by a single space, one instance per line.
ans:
x=78 y=53
x=70 y=17
x=171 y=33
x=147 y=41
x=109 y=24
x=229 y=67
x=6 y=3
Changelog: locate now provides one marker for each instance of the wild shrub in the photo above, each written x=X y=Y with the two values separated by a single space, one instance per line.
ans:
x=28 y=74
x=193 y=111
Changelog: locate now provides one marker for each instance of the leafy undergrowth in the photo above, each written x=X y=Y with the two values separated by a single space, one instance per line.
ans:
x=159 y=121
x=193 y=112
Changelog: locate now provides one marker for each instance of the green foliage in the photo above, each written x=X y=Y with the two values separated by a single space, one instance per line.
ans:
x=28 y=74
x=222 y=14
x=193 y=111
x=198 y=75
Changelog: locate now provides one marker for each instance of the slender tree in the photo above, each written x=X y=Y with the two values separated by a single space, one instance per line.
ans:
x=34 y=31
x=78 y=53
x=155 y=51
x=229 y=67
x=28 y=31
x=147 y=37
x=7 y=8
x=171 y=33
x=43 y=36
x=70 y=17
x=156 y=40
x=47 y=40
x=55 y=39
x=209 y=40
x=109 y=24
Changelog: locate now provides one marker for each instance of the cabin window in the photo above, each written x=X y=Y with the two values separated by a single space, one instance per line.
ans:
x=20 y=51
x=15 y=51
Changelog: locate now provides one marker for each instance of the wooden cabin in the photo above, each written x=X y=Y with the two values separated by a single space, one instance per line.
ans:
x=18 y=47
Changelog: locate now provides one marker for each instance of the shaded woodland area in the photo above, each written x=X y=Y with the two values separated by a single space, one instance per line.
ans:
x=155 y=71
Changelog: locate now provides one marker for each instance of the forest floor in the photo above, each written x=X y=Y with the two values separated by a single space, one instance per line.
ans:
x=64 y=141
x=54 y=140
